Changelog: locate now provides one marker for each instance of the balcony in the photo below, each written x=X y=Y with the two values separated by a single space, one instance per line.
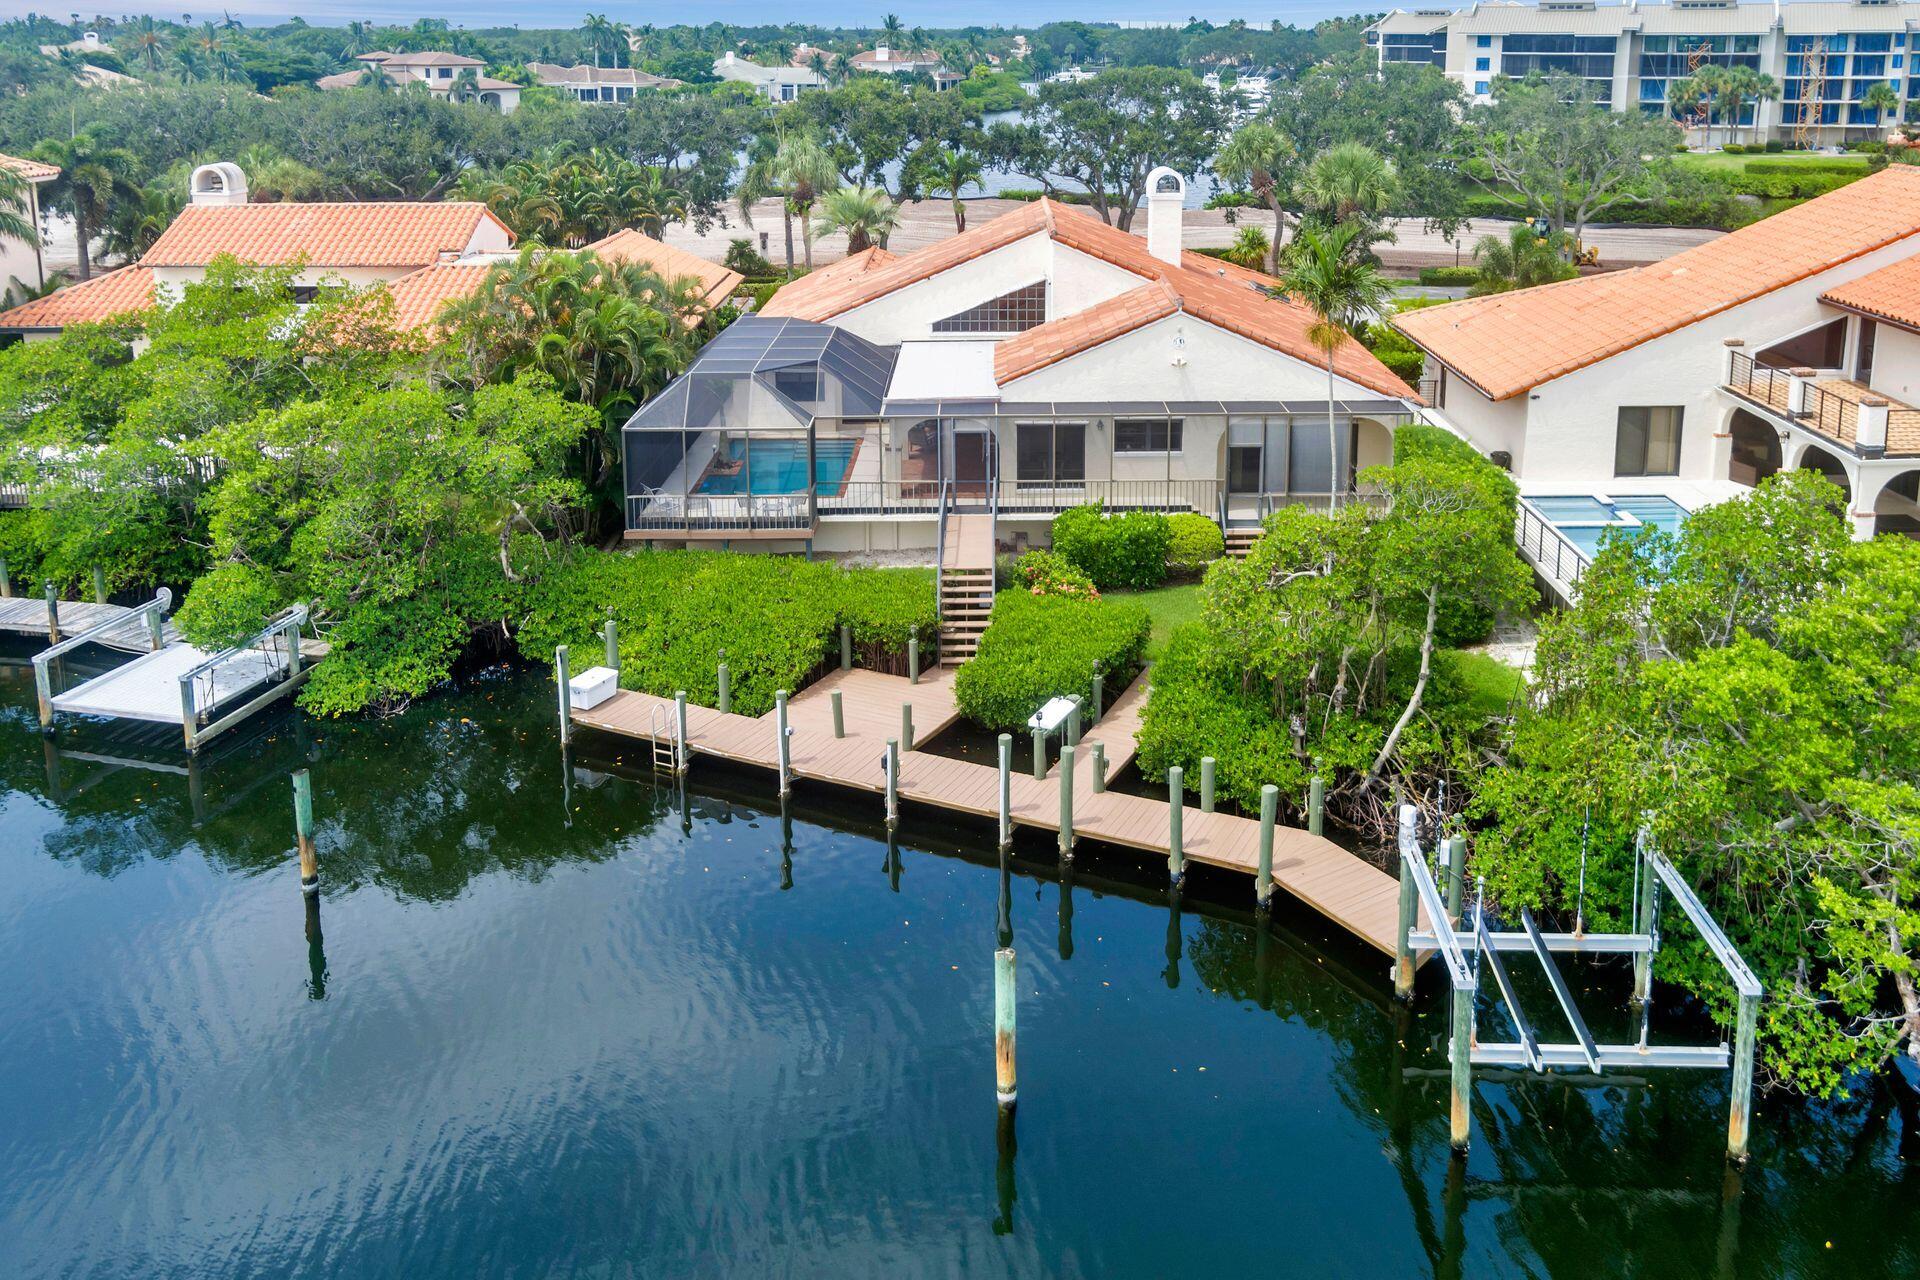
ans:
x=1840 y=411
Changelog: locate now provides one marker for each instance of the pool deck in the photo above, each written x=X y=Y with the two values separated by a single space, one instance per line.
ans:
x=1326 y=878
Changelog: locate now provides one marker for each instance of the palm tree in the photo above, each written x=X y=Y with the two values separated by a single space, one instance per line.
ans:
x=16 y=222
x=795 y=167
x=891 y=27
x=1723 y=90
x=1258 y=156
x=1347 y=182
x=376 y=77
x=867 y=214
x=1683 y=99
x=958 y=170
x=149 y=43
x=465 y=86
x=137 y=225
x=1344 y=292
x=1520 y=261
x=92 y=185
x=1880 y=98
x=600 y=34
x=359 y=40
x=1760 y=87
x=1250 y=249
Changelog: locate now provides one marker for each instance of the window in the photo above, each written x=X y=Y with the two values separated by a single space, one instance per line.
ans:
x=1146 y=435
x=802 y=386
x=1013 y=312
x=1481 y=87
x=1047 y=454
x=1483 y=64
x=1648 y=442
x=1483 y=42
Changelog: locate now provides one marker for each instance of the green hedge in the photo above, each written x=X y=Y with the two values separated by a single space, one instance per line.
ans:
x=1851 y=168
x=1196 y=712
x=1449 y=275
x=1126 y=549
x=1041 y=647
x=778 y=618
x=1194 y=542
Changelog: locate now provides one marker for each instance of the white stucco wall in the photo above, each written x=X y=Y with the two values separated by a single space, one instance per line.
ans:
x=1080 y=281
x=18 y=259
x=910 y=312
x=1896 y=363
x=489 y=237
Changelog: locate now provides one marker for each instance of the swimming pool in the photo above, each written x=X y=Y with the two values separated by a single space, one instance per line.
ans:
x=780 y=466
x=1583 y=518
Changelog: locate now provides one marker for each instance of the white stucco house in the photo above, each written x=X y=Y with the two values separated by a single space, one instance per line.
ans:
x=1793 y=342
x=779 y=84
x=442 y=75
x=1030 y=364
x=22 y=265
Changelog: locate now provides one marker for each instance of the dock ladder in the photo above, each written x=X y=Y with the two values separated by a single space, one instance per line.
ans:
x=664 y=734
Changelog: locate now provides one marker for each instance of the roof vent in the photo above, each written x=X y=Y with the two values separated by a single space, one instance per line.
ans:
x=219 y=183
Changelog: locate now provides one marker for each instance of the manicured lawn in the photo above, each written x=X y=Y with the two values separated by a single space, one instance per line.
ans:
x=1170 y=607
x=1721 y=161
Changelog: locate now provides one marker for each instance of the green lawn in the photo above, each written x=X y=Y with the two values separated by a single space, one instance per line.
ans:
x=1170 y=606
x=1720 y=161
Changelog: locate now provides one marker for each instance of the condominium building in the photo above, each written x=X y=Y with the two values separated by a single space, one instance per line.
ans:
x=1823 y=54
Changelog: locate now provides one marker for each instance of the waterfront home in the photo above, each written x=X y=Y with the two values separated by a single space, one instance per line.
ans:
x=1793 y=342
x=887 y=61
x=22 y=266
x=780 y=84
x=445 y=75
x=1032 y=363
x=351 y=243
x=598 y=84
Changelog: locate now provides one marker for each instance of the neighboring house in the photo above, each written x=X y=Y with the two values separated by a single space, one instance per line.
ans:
x=1032 y=363
x=1824 y=55
x=598 y=84
x=356 y=244
x=886 y=61
x=781 y=84
x=1617 y=398
x=440 y=72
x=712 y=283
x=22 y=266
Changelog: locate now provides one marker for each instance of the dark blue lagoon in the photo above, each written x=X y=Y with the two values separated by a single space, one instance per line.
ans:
x=551 y=1018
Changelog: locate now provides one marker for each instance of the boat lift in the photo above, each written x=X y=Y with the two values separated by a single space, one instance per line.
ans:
x=1454 y=937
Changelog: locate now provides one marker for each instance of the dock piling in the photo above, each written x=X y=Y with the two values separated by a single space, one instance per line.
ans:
x=610 y=642
x=1099 y=690
x=913 y=661
x=839 y=716
x=53 y=613
x=1099 y=767
x=303 y=831
x=1006 y=792
x=1066 y=801
x=1456 y=873
x=723 y=676
x=1073 y=723
x=1176 y=811
x=846 y=647
x=891 y=767
x=1316 y=803
x=1206 y=784
x=906 y=726
x=1039 y=753
x=682 y=749
x=1006 y=1085
x=1402 y=953
x=1740 y=1113
x=560 y=678
x=781 y=728
x=99 y=585
x=6 y=579
x=1461 y=1117
x=1263 y=879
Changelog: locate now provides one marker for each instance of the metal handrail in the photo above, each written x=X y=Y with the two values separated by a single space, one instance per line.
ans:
x=289 y=619
x=939 y=551
x=162 y=600
x=1569 y=561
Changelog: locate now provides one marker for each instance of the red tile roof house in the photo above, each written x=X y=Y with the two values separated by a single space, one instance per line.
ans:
x=1793 y=342
x=356 y=244
x=1034 y=362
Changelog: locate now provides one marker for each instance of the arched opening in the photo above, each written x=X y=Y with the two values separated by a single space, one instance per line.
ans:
x=1818 y=459
x=491 y=100
x=1897 y=509
x=1756 y=448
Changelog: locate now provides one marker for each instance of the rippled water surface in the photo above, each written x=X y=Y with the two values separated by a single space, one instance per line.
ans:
x=552 y=1019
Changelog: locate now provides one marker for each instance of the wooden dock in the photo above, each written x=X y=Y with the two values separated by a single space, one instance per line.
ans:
x=27 y=615
x=1347 y=890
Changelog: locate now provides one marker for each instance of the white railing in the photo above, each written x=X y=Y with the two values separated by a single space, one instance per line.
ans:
x=269 y=654
x=45 y=670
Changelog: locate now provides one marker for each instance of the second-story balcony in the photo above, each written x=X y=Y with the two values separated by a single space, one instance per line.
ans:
x=1840 y=411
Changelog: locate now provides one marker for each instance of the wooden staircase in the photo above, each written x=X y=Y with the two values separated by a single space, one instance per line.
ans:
x=966 y=586
x=1240 y=540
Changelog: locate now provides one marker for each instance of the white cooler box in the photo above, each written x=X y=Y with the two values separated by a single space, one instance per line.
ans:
x=592 y=687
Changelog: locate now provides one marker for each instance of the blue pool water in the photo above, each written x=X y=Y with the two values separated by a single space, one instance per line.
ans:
x=1583 y=519
x=780 y=466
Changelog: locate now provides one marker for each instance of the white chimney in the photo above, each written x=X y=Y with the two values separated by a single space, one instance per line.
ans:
x=1166 y=205
x=219 y=183
x=882 y=54
x=728 y=58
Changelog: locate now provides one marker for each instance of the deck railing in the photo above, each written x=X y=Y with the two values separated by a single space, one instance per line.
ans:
x=746 y=513
x=270 y=654
x=47 y=668
x=1559 y=561
x=1758 y=381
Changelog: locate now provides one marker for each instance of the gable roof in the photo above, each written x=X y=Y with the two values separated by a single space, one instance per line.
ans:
x=410 y=234
x=796 y=297
x=1891 y=293
x=1508 y=343
x=553 y=74
x=1056 y=340
x=1215 y=291
x=716 y=282
x=419 y=295
x=104 y=297
x=31 y=170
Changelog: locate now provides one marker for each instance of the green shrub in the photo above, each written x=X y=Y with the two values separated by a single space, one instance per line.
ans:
x=227 y=604
x=1774 y=146
x=1450 y=275
x=1047 y=573
x=1839 y=164
x=1194 y=542
x=1196 y=712
x=1041 y=647
x=1128 y=549
x=778 y=618
x=1395 y=350
x=744 y=258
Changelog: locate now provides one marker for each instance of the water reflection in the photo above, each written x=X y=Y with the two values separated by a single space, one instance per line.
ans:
x=601 y=1040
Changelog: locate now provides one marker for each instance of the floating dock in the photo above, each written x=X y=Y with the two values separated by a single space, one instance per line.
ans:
x=1340 y=886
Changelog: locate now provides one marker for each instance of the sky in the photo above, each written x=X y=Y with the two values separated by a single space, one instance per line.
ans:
x=500 y=13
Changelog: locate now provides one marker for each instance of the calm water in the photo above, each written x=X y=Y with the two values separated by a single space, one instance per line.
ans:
x=554 y=1021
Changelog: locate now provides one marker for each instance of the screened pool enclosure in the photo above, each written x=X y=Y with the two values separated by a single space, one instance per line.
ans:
x=780 y=423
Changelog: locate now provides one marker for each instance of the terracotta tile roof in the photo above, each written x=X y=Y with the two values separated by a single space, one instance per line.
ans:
x=419 y=295
x=716 y=283
x=31 y=170
x=116 y=293
x=1055 y=340
x=804 y=292
x=364 y=234
x=1509 y=343
x=1220 y=293
x=1891 y=293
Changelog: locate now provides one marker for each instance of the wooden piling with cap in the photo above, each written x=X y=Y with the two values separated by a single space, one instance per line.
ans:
x=303 y=831
x=1005 y=976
